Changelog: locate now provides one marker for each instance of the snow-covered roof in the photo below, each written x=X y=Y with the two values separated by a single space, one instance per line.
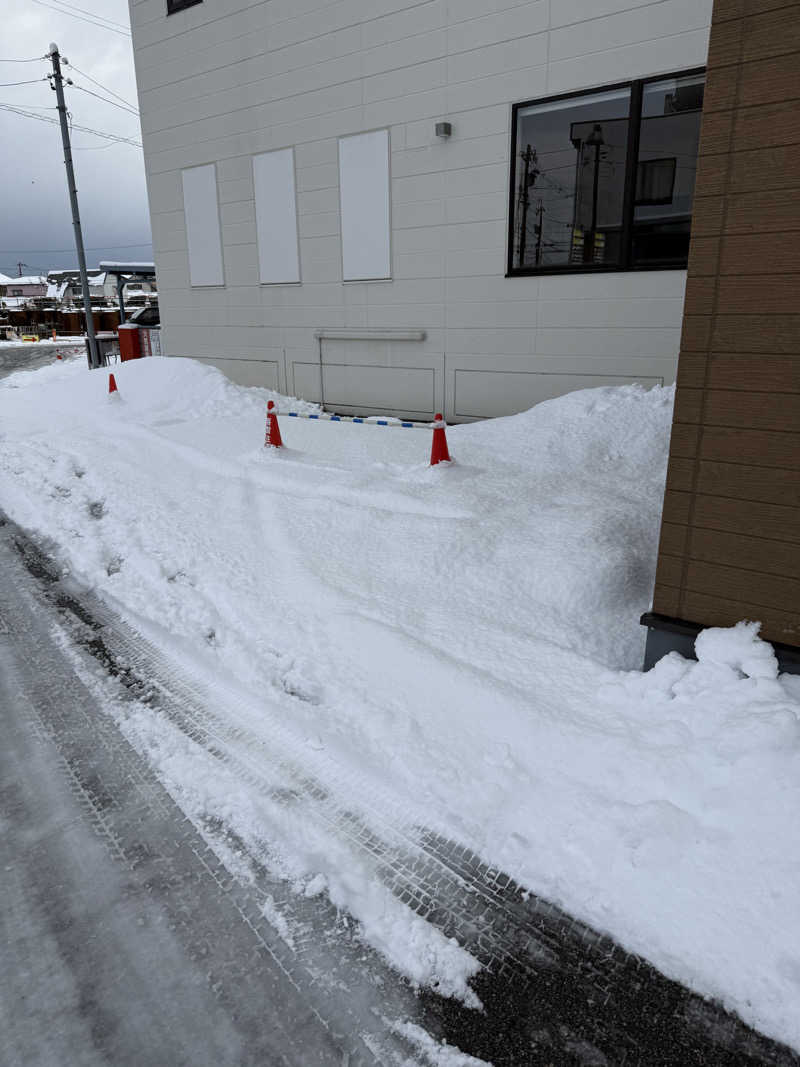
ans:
x=29 y=279
x=116 y=267
x=5 y=280
x=14 y=301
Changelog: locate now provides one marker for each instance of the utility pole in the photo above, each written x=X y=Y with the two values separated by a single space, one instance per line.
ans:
x=57 y=83
x=538 y=230
x=19 y=269
x=529 y=175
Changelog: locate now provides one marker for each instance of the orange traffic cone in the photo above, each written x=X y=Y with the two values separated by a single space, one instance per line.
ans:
x=112 y=385
x=273 y=435
x=439 y=452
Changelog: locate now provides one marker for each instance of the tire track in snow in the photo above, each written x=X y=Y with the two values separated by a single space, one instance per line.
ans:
x=523 y=942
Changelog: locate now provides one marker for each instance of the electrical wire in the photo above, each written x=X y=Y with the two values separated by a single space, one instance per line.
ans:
x=99 y=85
x=92 y=14
x=97 y=248
x=105 y=100
x=30 y=81
x=34 y=60
x=83 y=129
x=83 y=18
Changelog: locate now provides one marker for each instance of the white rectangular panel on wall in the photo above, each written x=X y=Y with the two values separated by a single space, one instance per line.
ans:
x=364 y=197
x=202 y=225
x=276 y=216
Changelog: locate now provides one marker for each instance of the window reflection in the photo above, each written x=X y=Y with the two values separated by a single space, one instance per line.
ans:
x=571 y=180
x=669 y=136
x=581 y=202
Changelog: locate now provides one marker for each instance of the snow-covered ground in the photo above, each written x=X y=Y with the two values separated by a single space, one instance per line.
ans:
x=466 y=637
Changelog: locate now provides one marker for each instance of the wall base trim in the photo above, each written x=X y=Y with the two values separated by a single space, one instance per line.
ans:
x=676 y=635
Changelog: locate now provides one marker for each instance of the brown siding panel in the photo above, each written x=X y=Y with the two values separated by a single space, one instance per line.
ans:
x=730 y=537
x=778 y=522
x=766 y=126
x=666 y=601
x=669 y=571
x=761 y=411
x=680 y=474
x=770 y=81
x=735 y=550
x=771 y=334
x=740 y=482
x=760 y=253
x=704 y=256
x=673 y=539
x=677 y=507
x=688 y=405
x=761 y=448
x=692 y=370
x=716 y=611
x=772 y=294
x=736 y=583
x=773 y=374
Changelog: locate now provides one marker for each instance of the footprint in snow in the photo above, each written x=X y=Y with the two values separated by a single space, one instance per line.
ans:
x=97 y=509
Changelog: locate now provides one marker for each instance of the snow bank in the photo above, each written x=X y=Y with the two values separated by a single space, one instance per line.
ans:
x=466 y=636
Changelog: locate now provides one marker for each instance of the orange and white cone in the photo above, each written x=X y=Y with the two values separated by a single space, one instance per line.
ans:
x=272 y=438
x=439 y=451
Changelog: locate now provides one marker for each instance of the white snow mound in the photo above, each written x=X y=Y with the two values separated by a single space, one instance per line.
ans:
x=464 y=637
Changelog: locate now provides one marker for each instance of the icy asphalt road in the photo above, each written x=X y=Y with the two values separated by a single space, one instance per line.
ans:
x=27 y=356
x=123 y=942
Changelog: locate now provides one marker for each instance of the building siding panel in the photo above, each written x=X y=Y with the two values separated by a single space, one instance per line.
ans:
x=730 y=546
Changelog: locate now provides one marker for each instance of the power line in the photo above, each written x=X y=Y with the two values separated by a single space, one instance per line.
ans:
x=83 y=129
x=92 y=14
x=83 y=18
x=34 y=60
x=30 y=81
x=105 y=100
x=99 y=85
x=42 y=251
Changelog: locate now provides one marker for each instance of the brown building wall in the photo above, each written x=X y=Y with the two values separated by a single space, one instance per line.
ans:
x=730 y=543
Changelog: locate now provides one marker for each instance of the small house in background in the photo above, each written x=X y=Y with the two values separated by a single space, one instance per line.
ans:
x=32 y=286
x=730 y=536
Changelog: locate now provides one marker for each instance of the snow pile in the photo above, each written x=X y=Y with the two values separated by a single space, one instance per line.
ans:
x=462 y=636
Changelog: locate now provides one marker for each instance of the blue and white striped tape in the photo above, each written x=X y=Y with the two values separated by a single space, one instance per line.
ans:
x=367 y=420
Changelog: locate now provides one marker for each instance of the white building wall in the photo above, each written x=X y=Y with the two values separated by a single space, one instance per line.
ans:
x=225 y=80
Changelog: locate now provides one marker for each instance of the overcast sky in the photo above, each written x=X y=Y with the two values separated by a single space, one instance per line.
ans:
x=35 y=219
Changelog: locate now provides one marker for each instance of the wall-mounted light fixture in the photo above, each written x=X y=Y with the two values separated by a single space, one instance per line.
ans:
x=443 y=129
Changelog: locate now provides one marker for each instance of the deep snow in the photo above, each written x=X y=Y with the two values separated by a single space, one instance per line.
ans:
x=465 y=635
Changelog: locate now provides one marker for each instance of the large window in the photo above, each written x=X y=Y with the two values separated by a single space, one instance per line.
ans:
x=179 y=5
x=605 y=180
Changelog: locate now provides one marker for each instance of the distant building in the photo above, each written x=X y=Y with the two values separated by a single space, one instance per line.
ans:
x=64 y=287
x=33 y=285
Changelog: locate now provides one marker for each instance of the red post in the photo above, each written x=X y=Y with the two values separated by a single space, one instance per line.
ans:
x=129 y=347
x=273 y=435
x=439 y=452
x=112 y=384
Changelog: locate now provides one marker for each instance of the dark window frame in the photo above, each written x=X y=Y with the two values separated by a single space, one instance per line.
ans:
x=636 y=87
x=180 y=5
